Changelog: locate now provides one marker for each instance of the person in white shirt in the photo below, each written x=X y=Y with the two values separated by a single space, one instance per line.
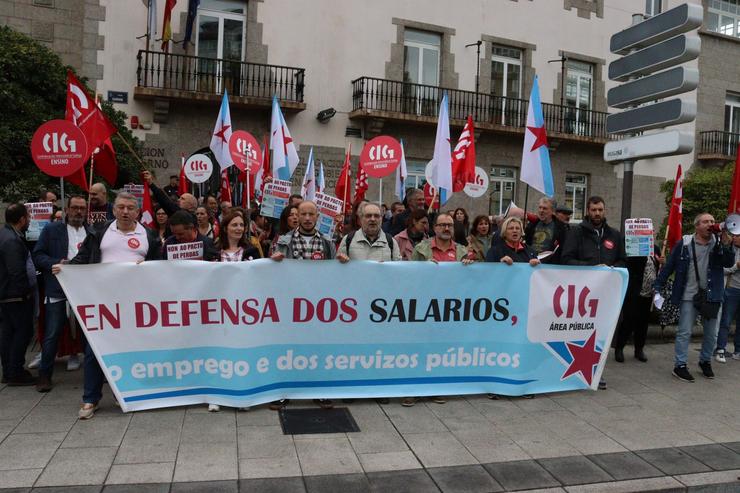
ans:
x=120 y=240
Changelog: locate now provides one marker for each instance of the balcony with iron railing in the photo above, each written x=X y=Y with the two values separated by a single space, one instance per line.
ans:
x=162 y=75
x=381 y=99
x=717 y=145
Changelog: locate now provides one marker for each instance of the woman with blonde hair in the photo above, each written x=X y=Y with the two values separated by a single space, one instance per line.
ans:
x=511 y=248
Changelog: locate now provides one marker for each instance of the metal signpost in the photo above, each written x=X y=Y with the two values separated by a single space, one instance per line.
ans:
x=652 y=50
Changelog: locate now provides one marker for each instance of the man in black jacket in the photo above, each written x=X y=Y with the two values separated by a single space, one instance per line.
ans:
x=186 y=243
x=547 y=232
x=593 y=242
x=17 y=288
x=122 y=240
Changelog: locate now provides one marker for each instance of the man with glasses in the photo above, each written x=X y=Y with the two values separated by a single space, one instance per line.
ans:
x=369 y=242
x=120 y=240
x=441 y=248
x=58 y=242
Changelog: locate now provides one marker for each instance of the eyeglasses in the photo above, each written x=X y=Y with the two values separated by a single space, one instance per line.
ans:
x=444 y=225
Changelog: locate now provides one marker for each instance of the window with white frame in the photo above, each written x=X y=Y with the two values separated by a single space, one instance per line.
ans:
x=503 y=189
x=506 y=71
x=576 y=189
x=421 y=53
x=220 y=42
x=653 y=7
x=415 y=177
x=723 y=16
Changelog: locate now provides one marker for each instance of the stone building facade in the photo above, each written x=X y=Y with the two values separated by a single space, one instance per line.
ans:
x=366 y=60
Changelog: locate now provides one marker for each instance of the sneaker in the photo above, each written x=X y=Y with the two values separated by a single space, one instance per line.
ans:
x=493 y=397
x=736 y=356
x=438 y=399
x=87 y=410
x=213 y=408
x=720 y=356
x=706 y=369
x=35 y=362
x=682 y=373
x=73 y=363
x=602 y=384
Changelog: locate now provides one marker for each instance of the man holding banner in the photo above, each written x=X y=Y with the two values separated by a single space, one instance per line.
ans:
x=368 y=243
x=121 y=240
x=305 y=243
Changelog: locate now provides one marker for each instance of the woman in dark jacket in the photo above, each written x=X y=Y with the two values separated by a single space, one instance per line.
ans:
x=510 y=248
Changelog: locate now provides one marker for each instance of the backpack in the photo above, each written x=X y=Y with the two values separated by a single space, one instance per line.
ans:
x=348 y=241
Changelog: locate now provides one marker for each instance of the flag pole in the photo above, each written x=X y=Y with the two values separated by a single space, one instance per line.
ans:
x=61 y=190
x=380 y=193
x=665 y=240
x=249 y=201
x=526 y=199
x=131 y=150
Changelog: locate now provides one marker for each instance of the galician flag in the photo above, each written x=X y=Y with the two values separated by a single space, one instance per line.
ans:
x=321 y=184
x=284 y=154
x=401 y=174
x=442 y=159
x=222 y=134
x=308 y=187
x=536 y=170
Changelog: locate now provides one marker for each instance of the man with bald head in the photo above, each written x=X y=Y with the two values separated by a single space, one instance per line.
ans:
x=187 y=201
x=304 y=243
x=100 y=210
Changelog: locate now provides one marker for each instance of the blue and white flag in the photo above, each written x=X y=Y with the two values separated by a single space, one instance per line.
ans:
x=308 y=187
x=401 y=174
x=284 y=154
x=536 y=169
x=442 y=159
x=222 y=134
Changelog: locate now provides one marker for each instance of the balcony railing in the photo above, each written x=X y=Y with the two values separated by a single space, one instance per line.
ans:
x=717 y=144
x=194 y=74
x=419 y=100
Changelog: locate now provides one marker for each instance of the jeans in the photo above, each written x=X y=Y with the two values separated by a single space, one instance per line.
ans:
x=94 y=377
x=686 y=321
x=15 y=334
x=730 y=311
x=56 y=317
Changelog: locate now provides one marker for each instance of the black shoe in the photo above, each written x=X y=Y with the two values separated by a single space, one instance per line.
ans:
x=706 y=369
x=23 y=380
x=619 y=355
x=383 y=400
x=602 y=384
x=640 y=355
x=324 y=403
x=43 y=384
x=682 y=373
x=348 y=401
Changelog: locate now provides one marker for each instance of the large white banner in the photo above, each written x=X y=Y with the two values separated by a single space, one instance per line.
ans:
x=239 y=334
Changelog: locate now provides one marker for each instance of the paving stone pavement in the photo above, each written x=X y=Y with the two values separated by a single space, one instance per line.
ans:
x=647 y=432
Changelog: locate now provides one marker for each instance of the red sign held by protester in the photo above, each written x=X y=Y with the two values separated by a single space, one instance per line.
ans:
x=381 y=156
x=59 y=148
x=429 y=195
x=245 y=151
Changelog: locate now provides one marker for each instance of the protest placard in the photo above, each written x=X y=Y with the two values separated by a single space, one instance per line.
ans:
x=329 y=207
x=40 y=215
x=137 y=191
x=185 y=251
x=275 y=198
x=638 y=237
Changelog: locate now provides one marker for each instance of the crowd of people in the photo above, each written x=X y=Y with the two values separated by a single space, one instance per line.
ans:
x=93 y=230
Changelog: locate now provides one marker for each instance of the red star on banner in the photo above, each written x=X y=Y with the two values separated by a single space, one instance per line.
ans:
x=540 y=136
x=584 y=359
x=286 y=140
x=221 y=132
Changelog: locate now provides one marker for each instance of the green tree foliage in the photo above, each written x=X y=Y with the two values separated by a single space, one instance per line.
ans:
x=704 y=190
x=32 y=91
